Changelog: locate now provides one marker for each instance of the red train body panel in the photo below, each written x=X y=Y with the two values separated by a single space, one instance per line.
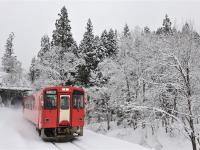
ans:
x=56 y=111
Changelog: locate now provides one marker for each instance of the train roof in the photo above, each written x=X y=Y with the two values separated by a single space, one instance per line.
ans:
x=63 y=88
x=58 y=88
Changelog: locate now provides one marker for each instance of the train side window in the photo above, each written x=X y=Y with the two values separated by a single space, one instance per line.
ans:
x=28 y=103
x=50 y=101
x=78 y=97
x=41 y=101
x=74 y=102
x=33 y=103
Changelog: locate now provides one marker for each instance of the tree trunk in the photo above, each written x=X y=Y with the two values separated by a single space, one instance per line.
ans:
x=108 y=121
x=143 y=90
x=152 y=130
x=191 y=121
x=107 y=112
x=193 y=140
x=175 y=105
x=128 y=89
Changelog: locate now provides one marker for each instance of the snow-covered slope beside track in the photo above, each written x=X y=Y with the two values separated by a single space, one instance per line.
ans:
x=18 y=134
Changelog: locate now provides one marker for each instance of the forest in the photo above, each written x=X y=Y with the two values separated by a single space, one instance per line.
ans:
x=139 y=78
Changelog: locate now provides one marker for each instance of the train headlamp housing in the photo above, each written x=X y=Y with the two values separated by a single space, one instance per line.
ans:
x=65 y=89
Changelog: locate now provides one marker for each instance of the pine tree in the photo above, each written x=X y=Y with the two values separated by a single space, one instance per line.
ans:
x=112 y=44
x=43 y=59
x=83 y=75
x=126 y=31
x=62 y=36
x=45 y=47
x=63 y=41
x=100 y=49
x=104 y=43
x=109 y=43
x=87 y=47
x=10 y=64
x=186 y=28
x=8 y=58
x=167 y=29
x=32 y=70
x=87 y=50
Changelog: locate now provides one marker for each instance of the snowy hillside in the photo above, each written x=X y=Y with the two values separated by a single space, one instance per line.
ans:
x=18 y=134
x=159 y=140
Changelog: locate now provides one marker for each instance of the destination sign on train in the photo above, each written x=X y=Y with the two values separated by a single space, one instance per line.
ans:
x=51 y=92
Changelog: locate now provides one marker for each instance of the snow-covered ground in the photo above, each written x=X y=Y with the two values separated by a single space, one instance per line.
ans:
x=18 y=134
x=159 y=141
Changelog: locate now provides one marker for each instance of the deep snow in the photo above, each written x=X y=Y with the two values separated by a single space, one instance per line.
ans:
x=18 y=134
x=159 y=141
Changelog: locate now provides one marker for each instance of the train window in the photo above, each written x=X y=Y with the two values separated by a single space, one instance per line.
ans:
x=41 y=102
x=50 y=101
x=78 y=97
x=32 y=103
x=64 y=102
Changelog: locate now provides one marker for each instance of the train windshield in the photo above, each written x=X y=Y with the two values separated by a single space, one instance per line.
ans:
x=64 y=102
x=78 y=97
x=50 y=101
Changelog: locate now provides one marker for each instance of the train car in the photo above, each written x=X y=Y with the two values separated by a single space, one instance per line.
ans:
x=57 y=112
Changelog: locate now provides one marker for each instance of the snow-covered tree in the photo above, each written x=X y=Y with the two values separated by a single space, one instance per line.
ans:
x=166 y=28
x=8 y=60
x=62 y=35
x=45 y=47
x=11 y=65
x=32 y=70
x=63 y=41
x=88 y=52
x=108 y=43
x=126 y=31
x=104 y=44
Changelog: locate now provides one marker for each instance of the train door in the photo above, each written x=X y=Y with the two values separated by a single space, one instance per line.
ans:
x=78 y=108
x=64 y=113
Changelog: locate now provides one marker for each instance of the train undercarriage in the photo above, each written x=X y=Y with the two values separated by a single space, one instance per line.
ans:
x=60 y=133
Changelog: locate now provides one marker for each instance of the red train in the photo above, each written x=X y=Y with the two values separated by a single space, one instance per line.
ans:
x=57 y=112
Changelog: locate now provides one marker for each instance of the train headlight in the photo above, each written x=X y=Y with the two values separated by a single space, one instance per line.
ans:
x=65 y=89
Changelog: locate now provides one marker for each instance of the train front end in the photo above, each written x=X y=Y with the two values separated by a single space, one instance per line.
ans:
x=62 y=112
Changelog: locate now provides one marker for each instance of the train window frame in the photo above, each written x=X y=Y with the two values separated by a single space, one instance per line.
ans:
x=56 y=100
x=68 y=106
x=32 y=102
x=75 y=103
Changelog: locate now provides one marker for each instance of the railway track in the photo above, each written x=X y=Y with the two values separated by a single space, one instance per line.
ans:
x=78 y=147
x=55 y=145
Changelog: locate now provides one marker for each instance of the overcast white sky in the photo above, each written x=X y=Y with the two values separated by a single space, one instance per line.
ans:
x=30 y=19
